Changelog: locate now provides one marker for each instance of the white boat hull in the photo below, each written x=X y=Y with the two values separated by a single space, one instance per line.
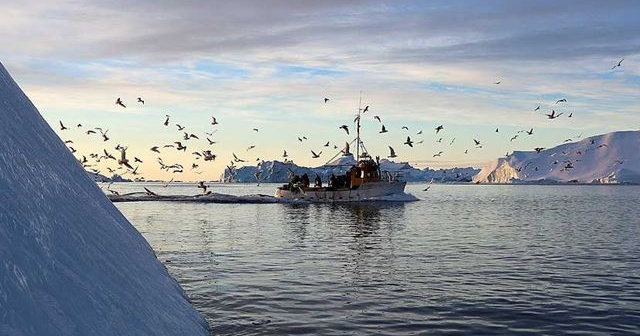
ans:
x=367 y=191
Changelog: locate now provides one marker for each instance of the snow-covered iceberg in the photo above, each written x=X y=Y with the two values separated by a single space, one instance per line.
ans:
x=70 y=263
x=278 y=172
x=612 y=158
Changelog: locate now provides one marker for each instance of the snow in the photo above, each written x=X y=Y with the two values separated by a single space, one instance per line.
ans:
x=70 y=263
x=612 y=158
x=278 y=172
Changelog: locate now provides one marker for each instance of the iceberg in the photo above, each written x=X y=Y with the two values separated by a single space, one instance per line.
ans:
x=612 y=158
x=70 y=262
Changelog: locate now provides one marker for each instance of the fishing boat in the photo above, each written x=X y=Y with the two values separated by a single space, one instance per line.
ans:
x=362 y=180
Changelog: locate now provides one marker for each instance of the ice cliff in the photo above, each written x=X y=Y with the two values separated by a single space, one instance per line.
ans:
x=612 y=158
x=278 y=172
x=70 y=263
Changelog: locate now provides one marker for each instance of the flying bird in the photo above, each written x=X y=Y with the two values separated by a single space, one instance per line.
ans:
x=439 y=128
x=140 y=100
x=409 y=142
x=345 y=128
x=392 y=153
x=563 y=100
x=476 y=142
x=365 y=109
x=530 y=132
x=180 y=127
x=377 y=118
x=155 y=149
x=326 y=100
x=438 y=154
x=327 y=144
x=119 y=102
x=383 y=130
x=553 y=114
x=617 y=65
x=166 y=121
x=538 y=149
x=314 y=155
x=537 y=108
x=514 y=137
x=214 y=121
x=498 y=82
x=62 y=127
x=405 y=127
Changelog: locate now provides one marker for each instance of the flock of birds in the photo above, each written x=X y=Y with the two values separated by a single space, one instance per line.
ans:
x=122 y=164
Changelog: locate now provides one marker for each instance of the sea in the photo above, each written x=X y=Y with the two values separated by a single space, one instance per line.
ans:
x=462 y=259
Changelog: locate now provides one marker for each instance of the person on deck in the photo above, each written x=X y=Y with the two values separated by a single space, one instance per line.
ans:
x=332 y=180
x=318 y=181
x=305 y=179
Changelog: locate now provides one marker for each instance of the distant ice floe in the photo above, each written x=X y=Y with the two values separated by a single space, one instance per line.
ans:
x=246 y=199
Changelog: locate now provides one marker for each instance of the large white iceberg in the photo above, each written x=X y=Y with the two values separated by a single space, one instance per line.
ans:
x=612 y=158
x=70 y=263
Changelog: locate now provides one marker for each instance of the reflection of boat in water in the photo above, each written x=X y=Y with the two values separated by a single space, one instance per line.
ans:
x=362 y=181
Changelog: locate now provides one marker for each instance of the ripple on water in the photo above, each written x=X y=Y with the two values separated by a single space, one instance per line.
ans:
x=468 y=259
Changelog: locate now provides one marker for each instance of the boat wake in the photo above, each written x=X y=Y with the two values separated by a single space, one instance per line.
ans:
x=247 y=199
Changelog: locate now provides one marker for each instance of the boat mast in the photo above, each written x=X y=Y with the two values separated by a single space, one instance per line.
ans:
x=358 y=129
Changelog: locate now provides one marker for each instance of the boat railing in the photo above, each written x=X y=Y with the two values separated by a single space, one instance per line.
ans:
x=391 y=175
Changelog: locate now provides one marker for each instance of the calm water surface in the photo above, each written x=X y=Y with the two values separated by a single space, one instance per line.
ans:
x=466 y=259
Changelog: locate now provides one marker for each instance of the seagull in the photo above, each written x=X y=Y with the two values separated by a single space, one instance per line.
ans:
x=476 y=142
x=327 y=144
x=383 y=130
x=530 y=132
x=326 y=100
x=180 y=127
x=236 y=159
x=79 y=125
x=452 y=140
x=210 y=142
x=438 y=154
x=314 y=155
x=553 y=114
x=439 y=128
x=617 y=65
x=377 y=118
x=149 y=192
x=563 y=100
x=140 y=100
x=73 y=150
x=166 y=121
x=514 y=137
x=365 y=109
x=193 y=136
x=155 y=149
x=251 y=147
x=180 y=146
x=570 y=115
x=214 y=121
x=392 y=153
x=498 y=82
x=208 y=156
x=104 y=134
x=135 y=159
x=203 y=187
x=428 y=185
x=285 y=154
x=405 y=127
x=538 y=149
x=123 y=161
x=409 y=142
x=119 y=102
x=496 y=130
x=537 y=108
x=419 y=132
x=345 y=128
x=255 y=129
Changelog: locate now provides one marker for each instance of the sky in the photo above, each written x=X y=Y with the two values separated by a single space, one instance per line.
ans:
x=269 y=65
